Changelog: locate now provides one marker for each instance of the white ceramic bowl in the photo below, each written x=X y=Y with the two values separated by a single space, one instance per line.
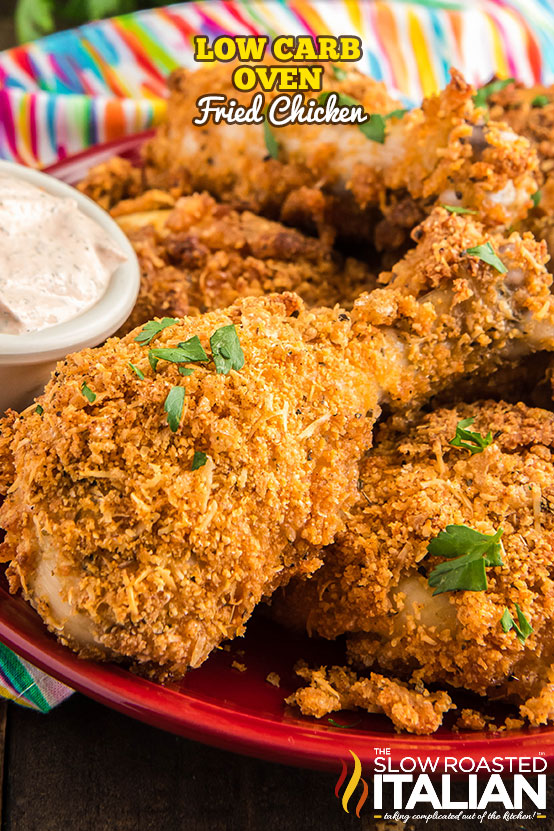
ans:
x=27 y=360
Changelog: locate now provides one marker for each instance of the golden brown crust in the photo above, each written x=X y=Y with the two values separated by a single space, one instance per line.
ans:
x=161 y=561
x=414 y=710
x=202 y=256
x=440 y=152
x=110 y=182
x=374 y=581
x=192 y=158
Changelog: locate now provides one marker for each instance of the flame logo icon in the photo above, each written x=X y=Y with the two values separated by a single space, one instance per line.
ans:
x=355 y=779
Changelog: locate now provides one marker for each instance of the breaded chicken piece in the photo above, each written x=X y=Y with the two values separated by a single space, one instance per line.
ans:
x=126 y=550
x=329 y=690
x=374 y=584
x=442 y=152
x=200 y=256
x=530 y=112
x=128 y=553
x=111 y=181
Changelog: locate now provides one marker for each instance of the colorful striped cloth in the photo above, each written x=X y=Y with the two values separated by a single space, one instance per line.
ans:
x=104 y=80
x=73 y=89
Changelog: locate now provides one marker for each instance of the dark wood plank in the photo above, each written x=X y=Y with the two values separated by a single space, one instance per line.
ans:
x=3 y=718
x=7 y=28
x=86 y=768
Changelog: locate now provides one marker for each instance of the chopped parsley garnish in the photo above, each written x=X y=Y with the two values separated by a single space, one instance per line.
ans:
x=396 y=113
x=194 y=349
x=374 y=129
x=482 y=95
x=88 y=393
x=226 y=349
x=457 y=209
x=339 y=73
x=343 y=726
x=152 y=360
x=474 y=442
x=174 y=407
x=467 y=552
x=153 y=328
x=270 y=141
x=199 y=460
x=138 y=372
x=536 y=198
x=522 y=628
x=540 y=101
x=343 y=100
x=185 y=370
x=487 y=253
x=180 y=354
x=39 y=409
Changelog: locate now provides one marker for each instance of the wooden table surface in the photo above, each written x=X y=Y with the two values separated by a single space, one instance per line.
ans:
x=83 y=767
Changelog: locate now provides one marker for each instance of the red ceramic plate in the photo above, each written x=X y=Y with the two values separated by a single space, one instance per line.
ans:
x=234 y=707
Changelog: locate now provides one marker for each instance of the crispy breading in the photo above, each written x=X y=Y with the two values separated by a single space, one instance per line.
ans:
x=152 y=560
x=127 y=552
x=374 y=587
x=414 y=710
x=202 y=256
x=232 y=161
x=441 y=152
x=530 y=112
x=109 y=182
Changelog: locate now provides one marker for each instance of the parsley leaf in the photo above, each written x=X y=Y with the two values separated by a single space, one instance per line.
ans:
x=343 y=726
x=153 y=328
x=482 y=95
x=536 y=198
x=178 y=354
x=270 y=141
x=226 y=349
x=185 y=370
x=468 y=552
x=34 y=18
x=522 y=628
x=199 y=460
x=396 y=113
x=138 y=372
x=540 y=101
x=194 y=349
x=374 y=129
x=487 y=253
x=343 y=100
x=339 y=73
x=88 y=393
x=152 y=360
x=174 y=407
x=474 y=442
x=457 y=209
x=39 y=409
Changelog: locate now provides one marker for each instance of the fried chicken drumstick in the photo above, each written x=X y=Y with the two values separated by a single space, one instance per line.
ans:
x=129 y=553
x=375 y=584
x=332 y=177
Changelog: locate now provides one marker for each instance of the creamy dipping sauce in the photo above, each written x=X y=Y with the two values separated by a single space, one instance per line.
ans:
x=55 y=262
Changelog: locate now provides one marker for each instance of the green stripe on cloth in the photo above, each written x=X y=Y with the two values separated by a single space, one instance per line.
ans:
x=26 y=687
